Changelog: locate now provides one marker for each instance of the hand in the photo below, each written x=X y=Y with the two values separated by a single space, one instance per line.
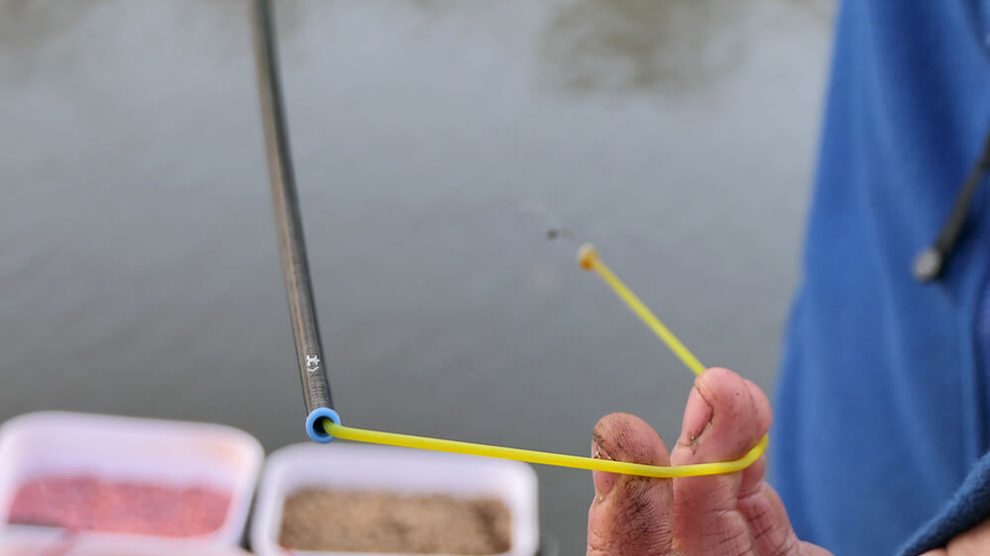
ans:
x=732 y=515
x=974 y=542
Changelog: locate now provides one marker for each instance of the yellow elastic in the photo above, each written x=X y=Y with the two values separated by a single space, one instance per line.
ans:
x=544 y=458
x=589 y=260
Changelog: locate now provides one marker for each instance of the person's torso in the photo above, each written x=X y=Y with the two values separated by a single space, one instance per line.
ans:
x=884 y=395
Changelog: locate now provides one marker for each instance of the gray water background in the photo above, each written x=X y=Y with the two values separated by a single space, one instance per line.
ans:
x=435 y=142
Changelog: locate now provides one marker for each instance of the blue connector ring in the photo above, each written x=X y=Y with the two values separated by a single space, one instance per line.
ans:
x=314 y=424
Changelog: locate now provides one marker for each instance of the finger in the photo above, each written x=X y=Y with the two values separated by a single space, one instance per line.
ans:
x=971 y=543
x=724 y=418
x=629 y=515
x=769 y=526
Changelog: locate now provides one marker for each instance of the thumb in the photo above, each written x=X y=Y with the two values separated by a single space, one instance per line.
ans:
x=629 y=515
x=736 y=513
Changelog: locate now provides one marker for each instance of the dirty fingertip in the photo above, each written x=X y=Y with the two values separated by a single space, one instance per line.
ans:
x=624 y=437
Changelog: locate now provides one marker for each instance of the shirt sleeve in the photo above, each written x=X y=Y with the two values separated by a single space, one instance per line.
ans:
x=968 y=507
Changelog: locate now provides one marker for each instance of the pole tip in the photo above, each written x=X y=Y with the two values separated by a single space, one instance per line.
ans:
x=586 y=256
x=314 y=424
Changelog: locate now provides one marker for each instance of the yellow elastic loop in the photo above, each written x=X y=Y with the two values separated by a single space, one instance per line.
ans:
x=544 y=458
x=589 y=260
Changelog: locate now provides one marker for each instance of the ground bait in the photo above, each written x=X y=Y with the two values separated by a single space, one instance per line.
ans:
x=85 y=502
x=363 y=521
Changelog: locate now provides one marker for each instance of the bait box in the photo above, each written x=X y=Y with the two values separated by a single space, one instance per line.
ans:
x=342 y=466
x=117 y=448
x=93 y=547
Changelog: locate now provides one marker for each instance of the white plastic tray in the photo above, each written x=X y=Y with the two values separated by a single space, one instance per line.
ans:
x=357 y=467
x=93 y=547
x=127 y=448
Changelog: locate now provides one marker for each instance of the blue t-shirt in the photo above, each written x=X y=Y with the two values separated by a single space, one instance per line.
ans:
x=883 y=404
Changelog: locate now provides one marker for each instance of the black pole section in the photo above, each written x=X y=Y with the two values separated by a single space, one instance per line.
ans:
x=292 y=245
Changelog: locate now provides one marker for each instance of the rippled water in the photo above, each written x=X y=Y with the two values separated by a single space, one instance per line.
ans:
x=436 y=140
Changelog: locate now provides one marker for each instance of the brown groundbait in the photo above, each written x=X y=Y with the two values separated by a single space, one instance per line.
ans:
x=362 y=521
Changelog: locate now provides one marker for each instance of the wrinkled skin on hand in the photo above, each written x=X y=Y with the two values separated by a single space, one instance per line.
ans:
x=731 y=515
